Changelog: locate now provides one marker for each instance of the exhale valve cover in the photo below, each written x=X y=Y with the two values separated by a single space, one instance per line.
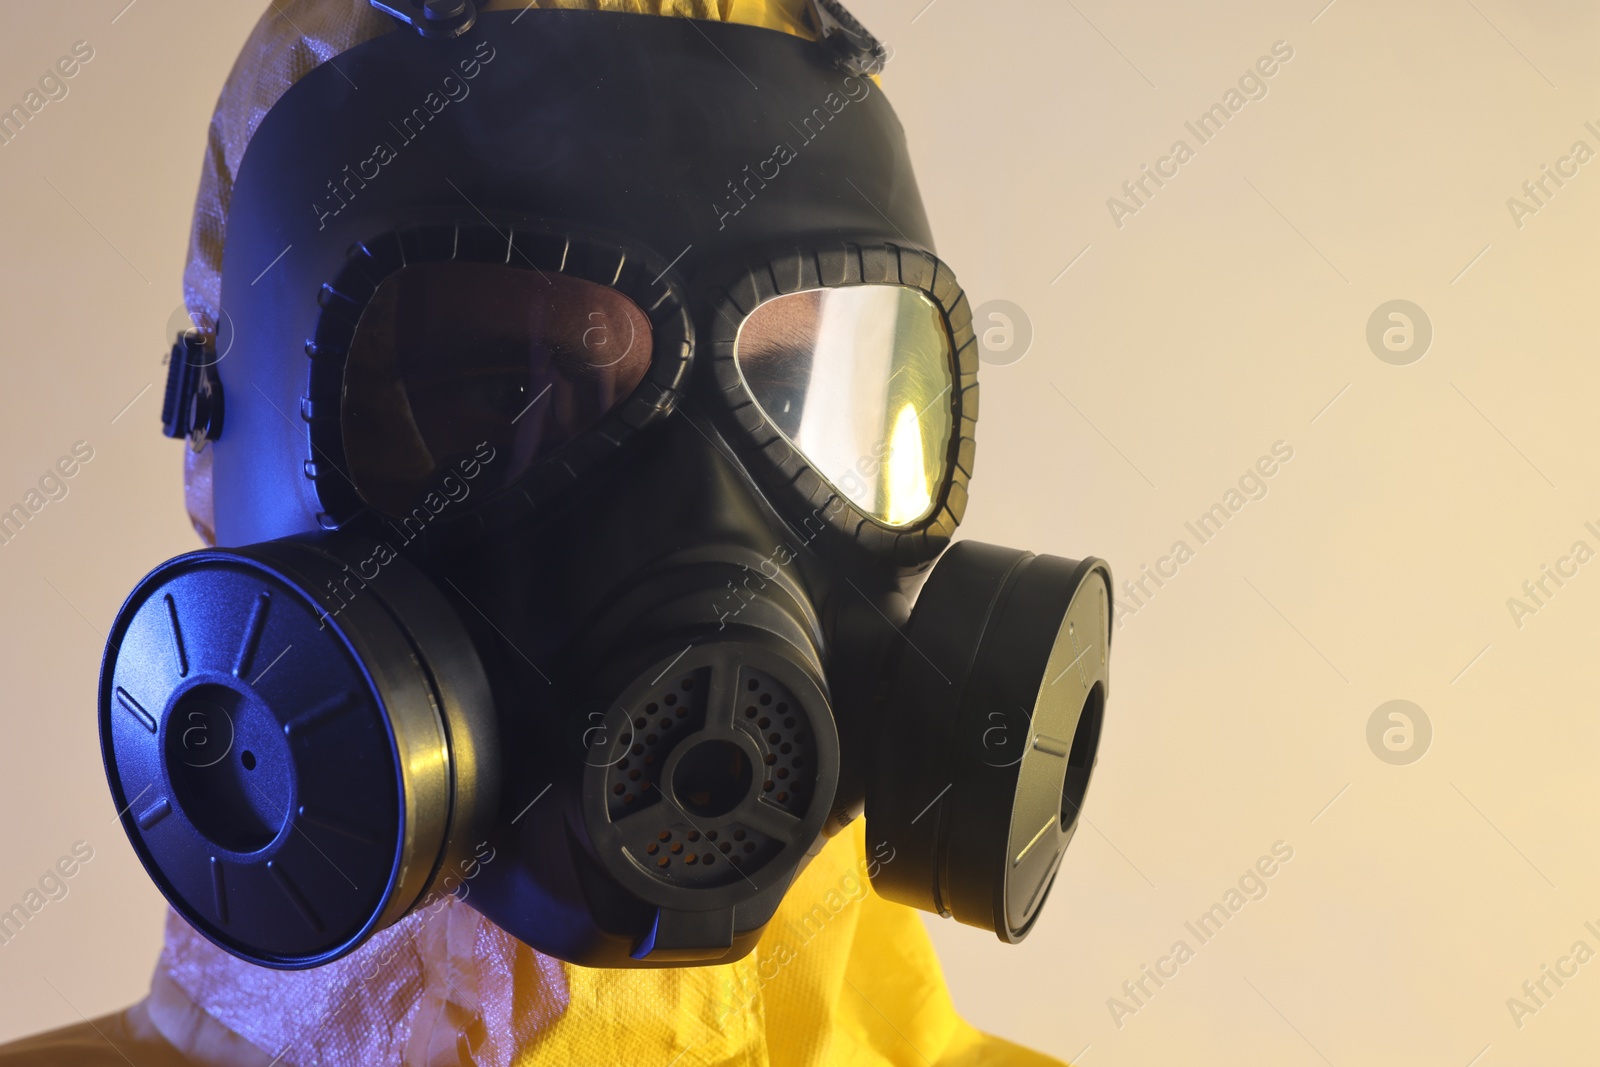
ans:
x=588 y=432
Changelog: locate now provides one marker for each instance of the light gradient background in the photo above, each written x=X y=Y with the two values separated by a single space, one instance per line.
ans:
x=1228 y=314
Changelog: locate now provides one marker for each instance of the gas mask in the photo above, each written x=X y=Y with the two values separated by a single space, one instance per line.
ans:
x=590 y=417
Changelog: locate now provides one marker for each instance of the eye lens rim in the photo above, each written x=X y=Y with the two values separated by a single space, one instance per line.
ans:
x=424 y=388
x=808 y=499
x=521 y=242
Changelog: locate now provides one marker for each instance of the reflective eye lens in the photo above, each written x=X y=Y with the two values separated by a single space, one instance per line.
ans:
x=448 y=356
x=858 y=379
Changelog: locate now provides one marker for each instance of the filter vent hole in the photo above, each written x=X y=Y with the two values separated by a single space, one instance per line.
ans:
x=712 y=778
x=232 y=807
x=1080 y=760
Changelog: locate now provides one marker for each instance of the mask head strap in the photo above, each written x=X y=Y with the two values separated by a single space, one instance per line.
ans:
x=855 y=50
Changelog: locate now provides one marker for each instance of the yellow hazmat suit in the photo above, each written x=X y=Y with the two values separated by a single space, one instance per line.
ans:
x=840 y=976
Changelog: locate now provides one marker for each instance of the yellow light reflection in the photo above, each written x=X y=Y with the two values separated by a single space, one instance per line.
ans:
x=905 y=471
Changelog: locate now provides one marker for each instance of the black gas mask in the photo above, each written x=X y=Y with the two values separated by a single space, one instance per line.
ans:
x=588 y=410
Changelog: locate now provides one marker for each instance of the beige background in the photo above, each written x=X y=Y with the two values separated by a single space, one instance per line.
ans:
x=1227 y=314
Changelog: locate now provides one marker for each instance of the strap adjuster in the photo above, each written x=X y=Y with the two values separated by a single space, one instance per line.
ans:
x=854 y=47
x=437 y=20
x=192 y=406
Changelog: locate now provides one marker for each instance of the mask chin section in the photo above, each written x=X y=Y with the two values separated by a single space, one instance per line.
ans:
x=709 y=771
x=299 y=736
x=990 y=733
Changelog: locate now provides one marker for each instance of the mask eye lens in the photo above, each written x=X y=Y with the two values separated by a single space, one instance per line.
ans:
x=858 y=379
x=448 y=356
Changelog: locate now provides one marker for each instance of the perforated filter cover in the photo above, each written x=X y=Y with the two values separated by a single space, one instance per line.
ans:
x=679 y=848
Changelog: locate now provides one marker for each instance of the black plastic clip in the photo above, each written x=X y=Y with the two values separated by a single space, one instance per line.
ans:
x=437 y=20
x=854 y=48
x=192 y=407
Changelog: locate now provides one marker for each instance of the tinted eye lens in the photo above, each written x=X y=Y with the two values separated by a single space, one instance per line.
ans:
x=448 y=356
x=858 y=379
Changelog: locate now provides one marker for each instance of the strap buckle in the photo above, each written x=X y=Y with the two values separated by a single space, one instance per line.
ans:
x=437 y=20
x=192 y=407
x=854 y=48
